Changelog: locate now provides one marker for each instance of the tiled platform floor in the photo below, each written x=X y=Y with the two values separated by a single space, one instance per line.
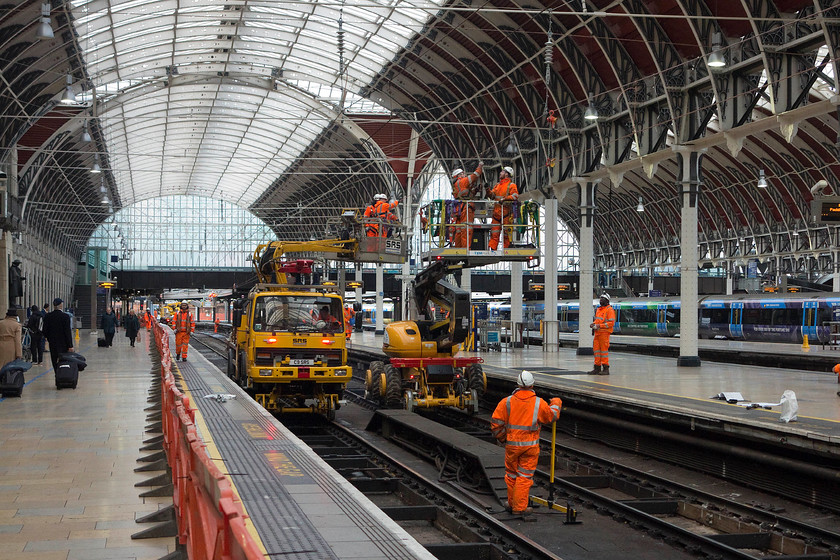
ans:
x=67 y=461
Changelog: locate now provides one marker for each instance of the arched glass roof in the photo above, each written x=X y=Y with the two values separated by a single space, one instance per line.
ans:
x=220 y=99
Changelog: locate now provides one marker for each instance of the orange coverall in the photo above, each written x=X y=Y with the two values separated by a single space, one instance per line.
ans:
x=380 y=210
x=604 y=321
x=516 y=422
x=504 y=191
x=462 y=190
x=183 y=325
x=348 y=314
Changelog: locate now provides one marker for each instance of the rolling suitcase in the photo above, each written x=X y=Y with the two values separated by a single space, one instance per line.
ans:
x=101 y=342
x=11 y=382
x=66 y=375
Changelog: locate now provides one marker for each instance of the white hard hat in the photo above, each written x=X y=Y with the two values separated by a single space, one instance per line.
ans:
x=380 y=197
x=509 y=170
x=457 y=172
x=525 y=379
x=605 y=296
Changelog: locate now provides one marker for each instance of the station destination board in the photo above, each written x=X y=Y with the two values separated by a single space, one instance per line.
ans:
x=826 y=209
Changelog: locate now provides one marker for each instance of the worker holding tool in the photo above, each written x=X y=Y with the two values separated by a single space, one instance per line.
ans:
x=516 y=423
x=505 y=193
x=464 y=189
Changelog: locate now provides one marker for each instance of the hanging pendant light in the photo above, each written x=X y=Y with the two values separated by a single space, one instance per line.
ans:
x=95 y=167
x=44 y=30
x=762 y=182
x=85 y=134
x=716 y=59
x=590 y=114
x=640 y=207
x=69 y=98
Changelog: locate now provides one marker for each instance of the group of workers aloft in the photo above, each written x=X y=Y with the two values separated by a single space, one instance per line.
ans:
x=466 y=188
x=379 y=213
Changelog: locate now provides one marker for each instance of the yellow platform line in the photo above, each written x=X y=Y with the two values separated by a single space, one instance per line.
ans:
x=215 y=456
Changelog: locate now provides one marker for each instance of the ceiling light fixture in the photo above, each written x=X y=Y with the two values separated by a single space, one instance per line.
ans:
x=85 y=134
x=511 y=147
x=44 y=30
x=95 y=167
x=716 y=59
x=762 y=182
x=69 y=98
x=640 y=207
x=590 y=114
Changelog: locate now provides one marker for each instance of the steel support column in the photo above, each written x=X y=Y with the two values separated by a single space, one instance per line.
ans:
x=380 y=307
x=587 y=260
x=516 y=300
x=551 y=332
x=688 y=182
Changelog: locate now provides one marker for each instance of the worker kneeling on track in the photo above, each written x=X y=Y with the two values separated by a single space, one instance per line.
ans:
x=516 y=423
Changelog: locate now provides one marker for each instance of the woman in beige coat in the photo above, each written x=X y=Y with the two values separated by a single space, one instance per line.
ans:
x=10 y=335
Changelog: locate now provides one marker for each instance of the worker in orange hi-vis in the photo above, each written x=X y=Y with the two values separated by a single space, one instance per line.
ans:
x=602 y=328
x=505 y=193
x=516 y=423
x=464 y=189
x=349 y=319
x=183 y=325
x=380 y=213
x=216 y=325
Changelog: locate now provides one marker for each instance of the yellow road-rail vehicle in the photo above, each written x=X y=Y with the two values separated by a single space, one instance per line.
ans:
x=287 y=347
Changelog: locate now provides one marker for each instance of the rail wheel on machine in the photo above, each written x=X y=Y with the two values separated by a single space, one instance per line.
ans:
x=393 y=386
x=477 y=380
x=373 y=381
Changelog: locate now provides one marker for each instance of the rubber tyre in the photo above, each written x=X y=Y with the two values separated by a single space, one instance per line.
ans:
x=241 y=377
x=477 y=380
x=374 y=389
x=231 y=364
x=393 y=387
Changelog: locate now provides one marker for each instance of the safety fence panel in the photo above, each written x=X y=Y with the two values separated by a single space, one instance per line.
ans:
x=211 y=520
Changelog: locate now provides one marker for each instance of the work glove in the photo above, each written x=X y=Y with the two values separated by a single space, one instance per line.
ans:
x=557 y=402
x=393 y=200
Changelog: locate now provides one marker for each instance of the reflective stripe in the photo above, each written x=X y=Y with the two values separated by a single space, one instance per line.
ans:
x=526 y=471
x=510 y=475
x=526 y=475
x=534 y=423
x=526 y=428
x=523 y=443
x=496 y=421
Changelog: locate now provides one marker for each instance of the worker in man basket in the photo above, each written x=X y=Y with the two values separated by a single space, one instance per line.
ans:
x=516 y=423
x=183 y=325
x=380 y=213
x=505 y=193
x=464 y=189
x=602 y=328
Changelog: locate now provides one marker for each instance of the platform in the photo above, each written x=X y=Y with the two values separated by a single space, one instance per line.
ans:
x=656 y=385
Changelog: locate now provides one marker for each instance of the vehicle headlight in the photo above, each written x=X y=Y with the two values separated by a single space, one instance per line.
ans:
x=265 y=372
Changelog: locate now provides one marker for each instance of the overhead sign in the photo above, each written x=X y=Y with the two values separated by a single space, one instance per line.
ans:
x=106 y=284
x=826 y=209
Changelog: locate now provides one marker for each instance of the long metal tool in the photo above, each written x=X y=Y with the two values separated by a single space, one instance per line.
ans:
x=571 y=514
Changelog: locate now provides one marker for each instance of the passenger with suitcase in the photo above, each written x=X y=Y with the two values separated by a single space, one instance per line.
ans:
x=57 y=331
x=11 y=378
x=10 y=338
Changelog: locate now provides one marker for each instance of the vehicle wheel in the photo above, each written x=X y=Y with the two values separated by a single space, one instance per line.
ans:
x=231 y=364
x=477 y=379
x=393 y=386
x=373 y=381
x=241 y=374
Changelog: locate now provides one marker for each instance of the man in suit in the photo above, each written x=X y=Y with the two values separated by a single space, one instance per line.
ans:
x=57 y=332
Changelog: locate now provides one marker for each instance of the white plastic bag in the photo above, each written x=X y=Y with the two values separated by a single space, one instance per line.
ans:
x=789 y=407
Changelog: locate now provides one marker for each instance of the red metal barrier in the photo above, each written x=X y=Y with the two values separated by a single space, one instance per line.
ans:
x=211 y=521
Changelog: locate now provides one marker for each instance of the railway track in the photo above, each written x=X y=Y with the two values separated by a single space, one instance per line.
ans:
x=683 y=515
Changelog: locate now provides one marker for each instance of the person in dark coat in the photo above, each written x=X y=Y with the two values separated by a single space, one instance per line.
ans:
x=15 y=283
x=132 y=326
x=108 y=324
x=44 y=312
x=35 y=324
x=57 y=331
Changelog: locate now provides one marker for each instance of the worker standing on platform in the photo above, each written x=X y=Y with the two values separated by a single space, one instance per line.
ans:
x=216 y=325
x=183 y=325
x=516 y=423
x=464 y=189
x=602 y=328
x=349 y=319
x=379 y=213
x=505 y=193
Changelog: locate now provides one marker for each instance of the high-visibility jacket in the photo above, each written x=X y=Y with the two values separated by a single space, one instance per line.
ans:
x=505 y=191
x=182 y=321
x=604 y=319
x=462 y=187
x=380 y=210
x=517 y=418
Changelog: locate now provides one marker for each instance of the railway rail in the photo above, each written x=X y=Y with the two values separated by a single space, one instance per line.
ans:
x=691 y=520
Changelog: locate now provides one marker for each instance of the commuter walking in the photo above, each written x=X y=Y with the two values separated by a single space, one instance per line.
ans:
x=505 y=193
x=183 y=325
x=108 y=324
x=35 y=324
x=57 y=331
x=10 y=336
x=602 y=328
x=132 y=326
x=516 y=423
x=464 y=190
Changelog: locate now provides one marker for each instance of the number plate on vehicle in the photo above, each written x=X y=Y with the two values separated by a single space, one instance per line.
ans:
x=301 y=362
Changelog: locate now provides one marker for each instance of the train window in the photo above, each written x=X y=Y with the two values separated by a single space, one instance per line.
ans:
x=295 y=313
x=824 y=315
x=672 y=315
x=628 y=315
x=787 y=317
x=714 y=315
